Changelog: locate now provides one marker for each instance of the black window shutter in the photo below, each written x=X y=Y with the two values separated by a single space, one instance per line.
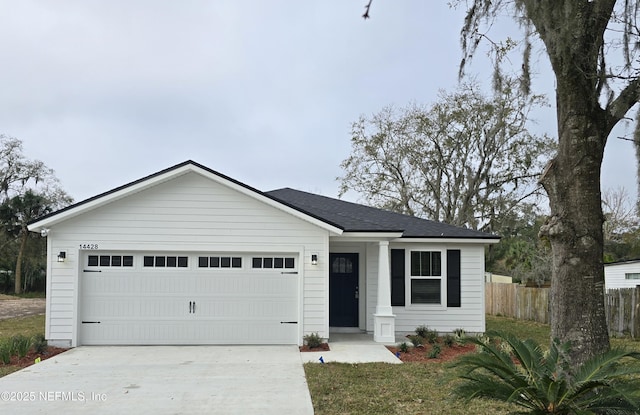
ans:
x=453 y=278
x=397 y=277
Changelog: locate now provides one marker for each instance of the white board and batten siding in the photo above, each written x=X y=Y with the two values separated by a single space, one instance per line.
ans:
x=470 y=316
x=622 y=275
x=189 y=215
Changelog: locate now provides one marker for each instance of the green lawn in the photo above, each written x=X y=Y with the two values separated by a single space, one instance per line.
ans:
x=28 y=326
x=410 y=388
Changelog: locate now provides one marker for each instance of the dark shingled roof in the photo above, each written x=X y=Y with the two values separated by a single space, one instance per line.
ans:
x=352 y=217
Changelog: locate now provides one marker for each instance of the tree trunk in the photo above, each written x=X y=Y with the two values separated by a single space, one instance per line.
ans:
x=24 y=236
x=572 y=181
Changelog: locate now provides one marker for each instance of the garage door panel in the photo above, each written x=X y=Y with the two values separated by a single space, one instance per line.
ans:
x=158 y=332
x=189 y=306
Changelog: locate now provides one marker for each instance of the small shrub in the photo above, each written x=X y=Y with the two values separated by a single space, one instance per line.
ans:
x=481 y=340
x=312 y=340
x=435 y=351
x=416 y=340
x=39 y=343
x=21 y=345
x=460 y=336
x=422 y=331
x=449 y=340
x=404 y=347
x=431 y=336
x=459 y=332
x=5 y=352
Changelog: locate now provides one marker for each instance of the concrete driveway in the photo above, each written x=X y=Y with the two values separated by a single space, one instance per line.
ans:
x=161 y=380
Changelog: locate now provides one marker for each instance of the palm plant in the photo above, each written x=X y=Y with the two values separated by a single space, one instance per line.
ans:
x=539 y=382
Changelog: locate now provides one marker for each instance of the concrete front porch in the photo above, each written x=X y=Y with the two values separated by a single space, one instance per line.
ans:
x=352 y=348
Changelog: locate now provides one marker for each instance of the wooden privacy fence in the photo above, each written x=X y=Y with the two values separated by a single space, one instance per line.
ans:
x=622 y=306
x=517 y=301
x=622 y=309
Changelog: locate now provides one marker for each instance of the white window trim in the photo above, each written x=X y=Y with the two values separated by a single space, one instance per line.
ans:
x=443 y=277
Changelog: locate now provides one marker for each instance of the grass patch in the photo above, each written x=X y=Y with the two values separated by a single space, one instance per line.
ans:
x=32 y=294
x=541 y=333
x=522 y=329
x=35 y=294
x=27 y=326
x=412 y=388
x=5 y=370
x=383 y=388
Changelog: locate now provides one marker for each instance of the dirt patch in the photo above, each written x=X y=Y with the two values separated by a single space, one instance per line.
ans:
x=421 y=354
x=31 y=357
x=324 y=347
x=21 y=307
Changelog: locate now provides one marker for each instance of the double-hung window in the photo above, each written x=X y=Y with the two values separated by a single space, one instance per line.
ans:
x=431 y=277
x=426 y=277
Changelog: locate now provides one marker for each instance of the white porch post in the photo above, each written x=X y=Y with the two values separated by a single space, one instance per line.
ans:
x=384 y=320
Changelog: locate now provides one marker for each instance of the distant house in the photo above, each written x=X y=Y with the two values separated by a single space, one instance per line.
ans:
x=502 y=279
x=623 y=274
x=191 y=256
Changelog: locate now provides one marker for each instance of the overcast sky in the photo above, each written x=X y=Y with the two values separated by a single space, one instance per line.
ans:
x=106 y=92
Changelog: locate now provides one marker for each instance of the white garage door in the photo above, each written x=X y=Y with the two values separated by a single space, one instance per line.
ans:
x=153 y=298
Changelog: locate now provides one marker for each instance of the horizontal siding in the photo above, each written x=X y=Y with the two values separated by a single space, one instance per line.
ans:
x=470 y=316
x=189 y=213
x=614 y=275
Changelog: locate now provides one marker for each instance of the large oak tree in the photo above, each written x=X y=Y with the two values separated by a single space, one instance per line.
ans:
x=578 y=37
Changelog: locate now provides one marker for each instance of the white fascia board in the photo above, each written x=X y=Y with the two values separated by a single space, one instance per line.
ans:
x=482 y=241
x=367 y=236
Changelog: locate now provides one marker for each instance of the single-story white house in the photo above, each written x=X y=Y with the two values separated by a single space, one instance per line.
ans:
x=190 y=256
x=622 y=274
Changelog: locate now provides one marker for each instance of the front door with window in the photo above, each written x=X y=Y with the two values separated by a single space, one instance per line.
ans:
x=343 y=290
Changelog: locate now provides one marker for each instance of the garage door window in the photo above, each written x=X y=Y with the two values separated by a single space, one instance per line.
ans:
x=219 y=262
x=161 y=261
x=273 y=262
x=110 y=260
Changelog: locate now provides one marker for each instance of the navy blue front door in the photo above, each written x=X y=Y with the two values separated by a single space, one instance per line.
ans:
x=343 y=290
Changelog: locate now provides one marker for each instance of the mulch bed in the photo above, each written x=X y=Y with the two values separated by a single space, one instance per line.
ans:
x=30 y=358
x=324 y=347
x=421 y=354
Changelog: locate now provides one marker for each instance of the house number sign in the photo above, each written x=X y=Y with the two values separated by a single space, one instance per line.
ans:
x=88 y=246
